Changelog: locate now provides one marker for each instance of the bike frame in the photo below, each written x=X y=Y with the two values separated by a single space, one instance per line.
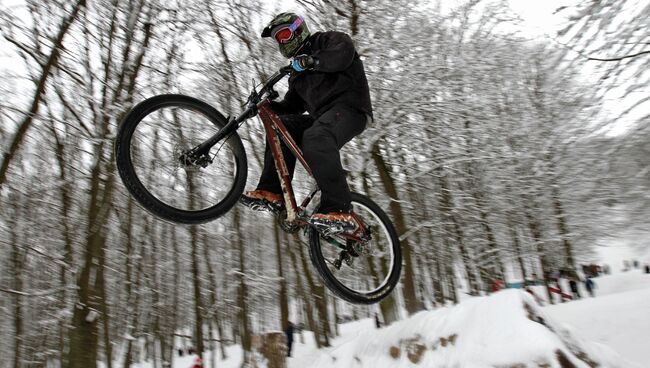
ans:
x=275 y=130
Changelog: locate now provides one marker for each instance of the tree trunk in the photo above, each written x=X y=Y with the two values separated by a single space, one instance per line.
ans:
x=17 y=276
x=108 y=349
x=214 y=312
x=84 y=334
x=446 y=208
x=541 y=252
x=177 y=285
x=451 y=277
x=66 y=203
x=317 y=294
x=410 y=299
x=439 y=296
x=306 y=299
x=242 y=298
x=560 y=216
x=517 y=249
x=388 y=307
x=283 y=299
x=196 y=283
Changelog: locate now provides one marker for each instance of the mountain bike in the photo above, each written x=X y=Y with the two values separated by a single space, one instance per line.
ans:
x=184 y=161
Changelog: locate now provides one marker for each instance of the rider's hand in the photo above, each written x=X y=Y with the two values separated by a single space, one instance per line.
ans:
x=301 y=63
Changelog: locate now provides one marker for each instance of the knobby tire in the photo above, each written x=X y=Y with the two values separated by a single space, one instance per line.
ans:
x=139 y=191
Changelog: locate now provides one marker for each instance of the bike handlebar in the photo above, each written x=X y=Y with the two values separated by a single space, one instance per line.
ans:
x=267 y=89
x=233 y=122
x=275 y=78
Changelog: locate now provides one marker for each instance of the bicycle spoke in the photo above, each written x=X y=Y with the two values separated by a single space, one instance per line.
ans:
x=157 y=145
x=371 y=268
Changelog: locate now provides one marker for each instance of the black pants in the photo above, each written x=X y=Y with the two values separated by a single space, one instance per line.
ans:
x=320 y=141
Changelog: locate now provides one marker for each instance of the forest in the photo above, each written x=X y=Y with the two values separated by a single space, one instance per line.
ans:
x=497 y=153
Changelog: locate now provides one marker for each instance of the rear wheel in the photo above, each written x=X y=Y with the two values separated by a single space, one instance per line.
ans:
x=364 y=272
x=149 y=148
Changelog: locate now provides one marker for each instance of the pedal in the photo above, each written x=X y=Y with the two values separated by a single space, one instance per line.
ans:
x=343 y=257
x=261 y=205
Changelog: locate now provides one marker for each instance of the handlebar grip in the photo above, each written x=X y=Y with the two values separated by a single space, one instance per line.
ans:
x=286 y=69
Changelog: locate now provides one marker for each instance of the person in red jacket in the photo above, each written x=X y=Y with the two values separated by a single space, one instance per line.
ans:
x=198 y=363
x=328 y=82
x=497 y=285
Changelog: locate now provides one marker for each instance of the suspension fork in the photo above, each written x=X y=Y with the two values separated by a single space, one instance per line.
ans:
x=199 y=153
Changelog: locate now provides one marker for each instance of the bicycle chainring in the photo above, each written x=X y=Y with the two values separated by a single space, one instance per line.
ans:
x=289 y=227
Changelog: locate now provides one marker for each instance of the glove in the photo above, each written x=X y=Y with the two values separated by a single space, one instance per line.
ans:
x=301 y=63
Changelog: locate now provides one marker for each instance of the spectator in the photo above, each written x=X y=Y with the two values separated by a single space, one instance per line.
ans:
x=574 y=288
x=590 y=285
x=558 y=283
x=647 y=268
x=289 y=334
x=497 y=285
x=554 y=276
x=377 y=321
x=198 y=363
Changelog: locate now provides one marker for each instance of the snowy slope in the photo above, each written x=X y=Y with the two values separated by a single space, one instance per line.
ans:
x=611 y=330
x=619 y=315
x=620 y=320
x=502 y=330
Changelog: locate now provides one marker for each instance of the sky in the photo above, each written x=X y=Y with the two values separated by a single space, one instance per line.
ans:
x=538 y=14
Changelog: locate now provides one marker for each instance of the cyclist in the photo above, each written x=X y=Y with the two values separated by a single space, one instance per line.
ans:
x=329 y=83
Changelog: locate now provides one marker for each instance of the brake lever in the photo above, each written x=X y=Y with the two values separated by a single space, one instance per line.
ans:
x=273 y=94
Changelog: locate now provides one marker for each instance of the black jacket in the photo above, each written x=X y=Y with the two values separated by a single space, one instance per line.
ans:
x=337 y=78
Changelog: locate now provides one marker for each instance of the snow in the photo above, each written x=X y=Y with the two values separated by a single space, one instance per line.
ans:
x=620 y=320
x=611 y=329
x=489 y=331
x=619 y=316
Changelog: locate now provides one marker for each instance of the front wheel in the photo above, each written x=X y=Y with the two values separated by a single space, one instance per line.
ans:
x=150 y=150
x=361 y=273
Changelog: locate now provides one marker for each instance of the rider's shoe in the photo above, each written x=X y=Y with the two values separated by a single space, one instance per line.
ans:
x=334 y=222
x=262 y=200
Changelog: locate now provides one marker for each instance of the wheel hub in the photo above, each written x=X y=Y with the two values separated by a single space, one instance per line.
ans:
x=189 y=159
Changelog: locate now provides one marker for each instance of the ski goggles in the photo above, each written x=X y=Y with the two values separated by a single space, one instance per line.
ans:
x=284 y=34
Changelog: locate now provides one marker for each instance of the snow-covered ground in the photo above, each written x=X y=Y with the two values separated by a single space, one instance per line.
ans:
x=610 y=330
x=619 y=315
x=494 y=331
